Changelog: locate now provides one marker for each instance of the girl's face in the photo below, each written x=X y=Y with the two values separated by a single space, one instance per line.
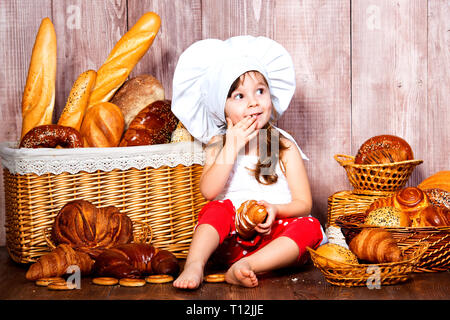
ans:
x=250 y=98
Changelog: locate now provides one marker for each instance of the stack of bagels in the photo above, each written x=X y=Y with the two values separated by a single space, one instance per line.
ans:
x=103 y=108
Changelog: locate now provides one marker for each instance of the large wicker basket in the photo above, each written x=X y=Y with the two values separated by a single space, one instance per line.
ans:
x=435 y=259
x=166 y=197
x=377 y=179
x=346 y=202
x=353 y=275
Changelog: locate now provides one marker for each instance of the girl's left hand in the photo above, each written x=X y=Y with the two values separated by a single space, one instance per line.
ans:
x=265 y=227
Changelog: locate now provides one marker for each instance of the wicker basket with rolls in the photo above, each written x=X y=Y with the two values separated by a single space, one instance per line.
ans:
x=382 y=165
x=103 y=110
x=411 y=217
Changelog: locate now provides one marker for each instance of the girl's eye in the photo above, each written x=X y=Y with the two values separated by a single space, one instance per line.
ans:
x=260 y=91
x=238 y=96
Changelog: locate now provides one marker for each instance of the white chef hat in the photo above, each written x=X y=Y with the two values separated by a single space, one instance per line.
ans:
x=206 y=70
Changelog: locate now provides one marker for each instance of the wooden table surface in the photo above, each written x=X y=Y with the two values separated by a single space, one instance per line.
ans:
x=305 y=283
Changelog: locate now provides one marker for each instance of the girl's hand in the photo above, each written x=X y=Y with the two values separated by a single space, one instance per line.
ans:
x=239 y=134
x=265 y=227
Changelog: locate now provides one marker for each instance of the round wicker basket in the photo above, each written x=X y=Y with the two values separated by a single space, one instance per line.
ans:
x=377 y=179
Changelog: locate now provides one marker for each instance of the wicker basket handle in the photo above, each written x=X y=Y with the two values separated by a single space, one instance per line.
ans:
x=343 y=159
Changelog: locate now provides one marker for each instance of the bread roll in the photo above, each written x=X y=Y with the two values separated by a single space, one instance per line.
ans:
x=439 y=180
x=136 y=94
x=248 y=216
x=38 y=98
x=181 y=134
x=102 y=126
x=439 y=197
x=124 y=56
x=388 y=217
x=73 y=113
x=411 y=200
x=337 y=253
x=435 y=217
x=384 y=149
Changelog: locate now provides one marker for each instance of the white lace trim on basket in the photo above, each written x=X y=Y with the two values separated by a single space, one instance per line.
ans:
x=56 y=161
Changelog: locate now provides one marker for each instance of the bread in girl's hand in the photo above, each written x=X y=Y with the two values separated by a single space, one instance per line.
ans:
x=127 y=52
x=248 y=216
x=384 y=149
x=335 y=253
x=73 y=113
x=102 y=126
x=39 y=93
x=136 y=94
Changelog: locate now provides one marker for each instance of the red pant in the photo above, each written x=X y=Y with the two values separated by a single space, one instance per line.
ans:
x=304 y=231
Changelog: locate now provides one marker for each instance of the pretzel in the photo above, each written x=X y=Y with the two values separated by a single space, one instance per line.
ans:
x=159 y=278
x=217 y=277
x=105 y=281
x=43 y=282
x=129 y=282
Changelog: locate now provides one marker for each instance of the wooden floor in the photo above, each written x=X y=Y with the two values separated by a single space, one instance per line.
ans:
x=306 y=283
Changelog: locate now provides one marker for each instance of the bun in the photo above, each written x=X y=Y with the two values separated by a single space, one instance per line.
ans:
x=375 y=245
x=51 y=136
x=87 y=228
x=181 y=134
x=384 y=149
x=136 y=94
x=411 y=200
x=124 y=56
x=38 y=99
x=434 y=217
x=439 y=197
x=55 y=263
x=248 y=216
x=78 y=99
x=387 y=217
x=439 y=180
x=153 y=125
x=337 y=253
x=102 y=126
x=132 y=260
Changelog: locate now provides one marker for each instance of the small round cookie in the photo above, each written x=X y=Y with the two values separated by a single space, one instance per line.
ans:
x=105 y=281
x=43 y=282
x=217 y=277
x=159 y=278
x=130 y=282
x=61 y=286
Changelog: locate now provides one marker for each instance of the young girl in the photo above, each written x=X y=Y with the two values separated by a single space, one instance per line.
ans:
x=227 y=93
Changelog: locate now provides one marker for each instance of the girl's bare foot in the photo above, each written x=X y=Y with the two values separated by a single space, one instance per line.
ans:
x=191 y=277
x=241 y=273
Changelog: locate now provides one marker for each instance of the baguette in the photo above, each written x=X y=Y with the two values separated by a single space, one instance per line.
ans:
x=124 y=56
x=38 y=99
x=78 y=99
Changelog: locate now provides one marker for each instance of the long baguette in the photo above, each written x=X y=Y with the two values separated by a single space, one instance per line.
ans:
x=38 y=98
x=124 y=56
x=78 y=99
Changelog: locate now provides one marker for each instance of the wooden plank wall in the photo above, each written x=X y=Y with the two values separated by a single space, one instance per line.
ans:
x=363 y=67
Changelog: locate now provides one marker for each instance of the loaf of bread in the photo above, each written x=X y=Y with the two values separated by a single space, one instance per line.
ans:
x=375 y=245
x=73 y=113
x=136 y=94
x=89 y=229
x=387 y=217
x=248 y=216
x=384 y=149
x=336 y=254
x=439 y=180
x=181 y=134
x=102 y=126
x=38 y=99
x=152 y=125
x=133 y=260
x=127 y=52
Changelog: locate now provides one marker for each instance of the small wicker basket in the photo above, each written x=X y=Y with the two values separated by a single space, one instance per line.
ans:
x=165 y=197
x=377 y=179
x=346 y=202
x=435 y=259
x=353 y=275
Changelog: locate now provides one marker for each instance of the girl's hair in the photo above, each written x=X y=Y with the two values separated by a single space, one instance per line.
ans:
x=267 y=162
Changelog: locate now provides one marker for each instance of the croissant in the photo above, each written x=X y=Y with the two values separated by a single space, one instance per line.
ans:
x=87 y=228
x=131 y=260
x=375 y=245
x=249 y=214
x=55 y=263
